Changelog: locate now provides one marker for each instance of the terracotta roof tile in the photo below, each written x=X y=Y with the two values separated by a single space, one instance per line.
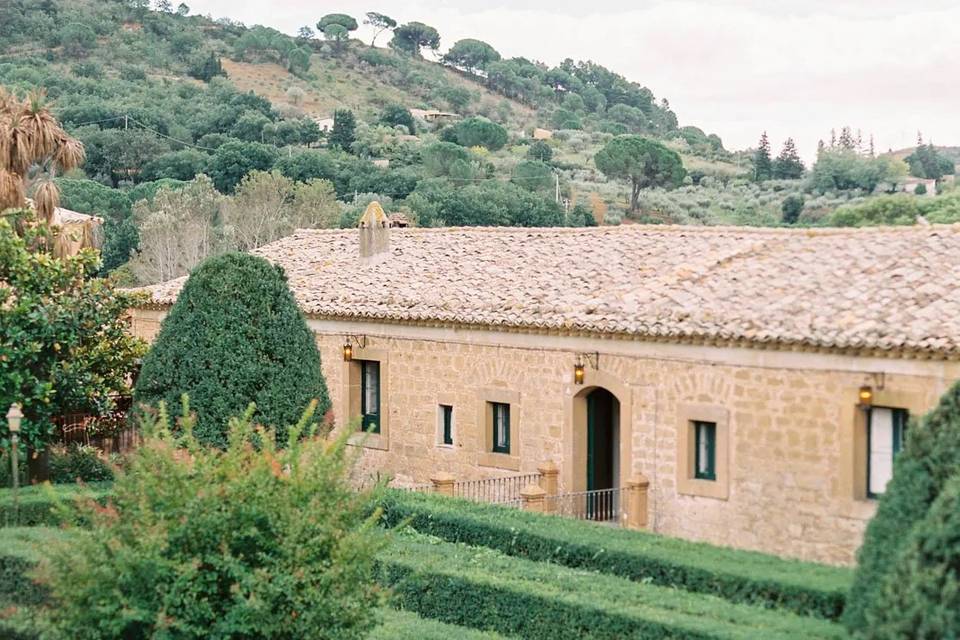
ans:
x=883 y=289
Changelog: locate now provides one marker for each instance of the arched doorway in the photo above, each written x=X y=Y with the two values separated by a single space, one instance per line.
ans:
x=603 y=440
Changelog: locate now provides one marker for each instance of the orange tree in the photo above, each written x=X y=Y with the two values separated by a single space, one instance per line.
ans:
x=65 y=344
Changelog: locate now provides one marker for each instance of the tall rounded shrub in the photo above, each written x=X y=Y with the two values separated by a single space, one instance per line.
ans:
x=931 y=456
x=920 y=599
x=234 y=336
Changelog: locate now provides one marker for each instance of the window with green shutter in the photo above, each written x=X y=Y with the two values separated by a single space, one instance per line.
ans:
x=501 y=427
x=886 y=428
x=370 y=395
x=705 y=452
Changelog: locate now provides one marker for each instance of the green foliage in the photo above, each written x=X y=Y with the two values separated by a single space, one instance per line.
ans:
x=738 y=576
x=845 y=169
x=440 y=202
x=244 y=542
x=762 y=164
x=397 y=115
x=471 y=55
x=458 y=98
x=928 y=162
x=533 y=175
x=403 y=625
x=413 y=36
x=897 y=209
x=920 y=190
x=920 y=598
x=344 y=130
x=486 y=590
x=349 y=23
x=439 y=157
x=644 y=162
x=78 y=463
x=232 y=161
x=788 y=165
x=206 y=67
x=380 y=23
x=928 y=460
x=540 y=150
x=21 y=549
x=77 y=39
x=38 y=504
x=476 y=132
x=792 y=207
x=307 y=165
x=184 y=165
x=235 y=336
x=64 y=339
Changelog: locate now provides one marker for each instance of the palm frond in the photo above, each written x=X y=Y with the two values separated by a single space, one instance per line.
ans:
x=46 y=199
x=11 y=190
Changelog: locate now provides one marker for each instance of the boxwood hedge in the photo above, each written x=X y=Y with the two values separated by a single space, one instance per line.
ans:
x=487 y=590
x=37 y=507
x=738 y=576
x=405 y=625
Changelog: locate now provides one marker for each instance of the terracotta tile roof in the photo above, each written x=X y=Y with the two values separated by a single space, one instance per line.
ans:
x=885 y=290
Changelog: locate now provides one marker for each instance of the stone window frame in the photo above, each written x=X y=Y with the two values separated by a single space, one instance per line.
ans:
x=899 y=429
x=687 y=482
x=351 y=375
x=487 y=457
x=445 y=401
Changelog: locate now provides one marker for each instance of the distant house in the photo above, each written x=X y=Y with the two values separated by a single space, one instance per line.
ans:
x=910 y=185
x=383 y=163
x=433 y=115
x=542 y=134
x=325 y=123
x=78 y=231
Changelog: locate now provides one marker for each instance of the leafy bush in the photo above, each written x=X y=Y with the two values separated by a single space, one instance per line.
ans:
x=476 y=131
x=931 y=455
x=78 y=463
x=920 y=599
x=792 y=207
x=20 y=549
x=403 y=625
x=486 y=590
x=920 y=190
x=738 y=576
x=238 y=543
x=235 y=336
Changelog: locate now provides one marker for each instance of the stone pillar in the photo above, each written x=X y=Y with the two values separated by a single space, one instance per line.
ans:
x=533 y=498
x=443 y=483
x=636 y=501
x=549 y=473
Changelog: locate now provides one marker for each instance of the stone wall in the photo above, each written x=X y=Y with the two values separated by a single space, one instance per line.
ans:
x=793 y=476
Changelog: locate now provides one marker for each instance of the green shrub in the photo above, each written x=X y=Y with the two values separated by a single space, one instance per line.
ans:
x=920 y=190
x=738 y=576
x=20 y=549
x=78 y=463
x=235 y=336
x=476 y=132
x=920 y=598
x=245 y=542
x=930 y=456
x=38 y=503
x=792 y=207
x=487 y=590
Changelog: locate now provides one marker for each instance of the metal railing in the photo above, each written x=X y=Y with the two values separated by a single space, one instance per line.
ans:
x=416 y=488
x=505 y=491
x=601 y=505
x=110 y=432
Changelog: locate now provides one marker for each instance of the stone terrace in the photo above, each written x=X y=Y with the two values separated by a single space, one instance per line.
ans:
x=886 y=290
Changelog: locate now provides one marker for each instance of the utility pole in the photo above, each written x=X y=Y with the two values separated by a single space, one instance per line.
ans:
x=556 y=177
x=125 y=123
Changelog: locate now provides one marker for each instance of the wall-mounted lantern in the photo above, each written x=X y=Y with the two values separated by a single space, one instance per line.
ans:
x=865 y=396
x=580 y=369
x=361 y=342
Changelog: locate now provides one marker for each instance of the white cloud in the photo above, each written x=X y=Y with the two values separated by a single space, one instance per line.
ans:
x=734 y=67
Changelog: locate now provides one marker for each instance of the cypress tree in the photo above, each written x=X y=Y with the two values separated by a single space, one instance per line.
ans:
x=788 y=165
x=762 y=164
x=234 y=336
x=930 y=456
x=344 y=128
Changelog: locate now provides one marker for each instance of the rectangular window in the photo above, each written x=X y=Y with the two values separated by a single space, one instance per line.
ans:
x=705 y=456
x=446 y=424
x=370 y=395
x=501 y=427
x=885 y=431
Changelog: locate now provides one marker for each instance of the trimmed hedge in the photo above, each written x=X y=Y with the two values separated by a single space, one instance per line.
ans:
x=21 y=599
x=404 y=625
x=36 y=506
x=487 y=590
x=738 y=576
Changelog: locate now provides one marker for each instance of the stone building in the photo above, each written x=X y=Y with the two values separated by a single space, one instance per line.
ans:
x=761 y=379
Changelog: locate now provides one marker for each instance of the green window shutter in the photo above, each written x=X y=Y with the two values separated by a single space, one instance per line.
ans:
x=447 y=414
x=370 y=395
x=900 y=417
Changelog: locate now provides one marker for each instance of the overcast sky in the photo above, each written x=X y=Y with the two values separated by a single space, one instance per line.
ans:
x=731 y=67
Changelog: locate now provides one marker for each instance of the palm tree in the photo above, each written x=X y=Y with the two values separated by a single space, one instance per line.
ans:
x=33 y=142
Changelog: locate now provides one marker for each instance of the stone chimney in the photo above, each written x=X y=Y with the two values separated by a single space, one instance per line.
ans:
x=374 y=233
